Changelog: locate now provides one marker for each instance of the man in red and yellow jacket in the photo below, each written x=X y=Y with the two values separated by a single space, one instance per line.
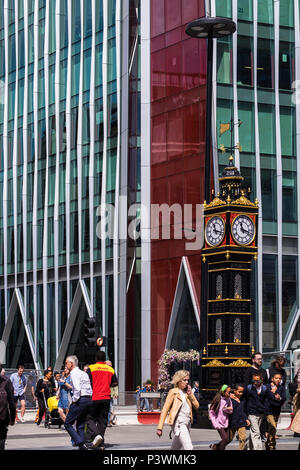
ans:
x=102 y=377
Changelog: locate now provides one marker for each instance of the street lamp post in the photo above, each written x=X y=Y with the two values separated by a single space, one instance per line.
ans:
x=208 y=28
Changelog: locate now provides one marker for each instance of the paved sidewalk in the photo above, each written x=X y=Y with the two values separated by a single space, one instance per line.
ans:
x=29 y=436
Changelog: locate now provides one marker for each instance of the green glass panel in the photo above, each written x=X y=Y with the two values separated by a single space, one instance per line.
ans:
x=286 y=65
x=268 y=192
x=286 y=13
x=289 y=196
x=245 y=10
x=266 y=119
x=224 y=115
x=287 y=131
x=289 y=288
x=265 y=11
x=75 y=74
x=269 y=308
x=244 y=61
x=247 y=127
x=223 y=8
x=224 y=51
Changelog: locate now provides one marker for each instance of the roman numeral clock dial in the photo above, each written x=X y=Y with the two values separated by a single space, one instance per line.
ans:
x=215 y=231
x=243 y=230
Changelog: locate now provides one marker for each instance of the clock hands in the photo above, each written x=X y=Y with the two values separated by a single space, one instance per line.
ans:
x=243 y=230
x=217 y=231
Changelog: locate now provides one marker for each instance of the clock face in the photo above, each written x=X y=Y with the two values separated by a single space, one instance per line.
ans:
x=243 y=230
x=215 y=231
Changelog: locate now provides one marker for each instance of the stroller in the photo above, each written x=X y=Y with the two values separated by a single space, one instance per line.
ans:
x=52 y=417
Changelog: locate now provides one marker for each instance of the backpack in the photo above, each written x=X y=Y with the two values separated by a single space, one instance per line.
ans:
x=3 y=400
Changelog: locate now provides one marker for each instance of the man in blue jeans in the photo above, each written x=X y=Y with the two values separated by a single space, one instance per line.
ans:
x=81 y=401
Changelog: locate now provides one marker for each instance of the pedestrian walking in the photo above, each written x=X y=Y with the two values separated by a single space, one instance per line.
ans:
x=19 y=383
x=238 y=421
x=219 y=411
x=275 y=398
x=256 y=406
x=256 y=368
x=114 y=393
x=81 y=401
x=295 y=426
x=7 y=408
x=44 y=390
x=102 y=377
x=277 y=367
x=137 y=397
x=178 y=406
x=64 y=394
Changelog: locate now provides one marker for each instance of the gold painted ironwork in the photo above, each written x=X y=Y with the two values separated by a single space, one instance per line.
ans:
x=239 y=363
x=218 y=342
x=229 y=313
x=214 y=363
x=234 y=300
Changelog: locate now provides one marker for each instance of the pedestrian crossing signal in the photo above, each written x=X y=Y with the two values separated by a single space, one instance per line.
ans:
x=90 y=332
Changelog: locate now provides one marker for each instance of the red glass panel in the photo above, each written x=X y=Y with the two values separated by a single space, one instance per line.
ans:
x=157 y=17
x=173 y=69
x=173 y=14
x=175 y=185
x=158 y=75
x=159 y=137
x=189 y=10
x=191 y=129
x=175 y=134
x=191 y=66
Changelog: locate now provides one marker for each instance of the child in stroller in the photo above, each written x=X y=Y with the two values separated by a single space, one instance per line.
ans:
x=52 y=417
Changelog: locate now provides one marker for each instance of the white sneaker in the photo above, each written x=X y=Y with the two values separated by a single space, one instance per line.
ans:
x=97 y=441
x=23 y=420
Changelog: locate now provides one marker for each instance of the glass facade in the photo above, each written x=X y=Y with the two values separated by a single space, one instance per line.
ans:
x=59 y=154
x=255 y=75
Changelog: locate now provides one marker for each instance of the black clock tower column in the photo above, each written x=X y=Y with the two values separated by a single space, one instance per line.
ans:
x=230 y=248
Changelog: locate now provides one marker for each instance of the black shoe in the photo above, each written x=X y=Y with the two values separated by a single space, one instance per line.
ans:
x=296 y=434
x=83 y=446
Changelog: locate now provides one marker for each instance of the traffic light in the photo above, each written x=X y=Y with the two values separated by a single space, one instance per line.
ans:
x=90 y=332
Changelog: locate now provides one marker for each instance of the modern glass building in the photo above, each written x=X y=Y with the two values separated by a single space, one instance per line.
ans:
x=256 y=83
x=103 y=102
x=63 y=65
x=256 y=94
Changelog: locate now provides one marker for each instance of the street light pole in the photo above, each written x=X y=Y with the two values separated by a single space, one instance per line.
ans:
x=208 y=28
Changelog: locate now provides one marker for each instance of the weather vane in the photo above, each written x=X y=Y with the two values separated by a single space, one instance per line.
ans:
x=225 y=127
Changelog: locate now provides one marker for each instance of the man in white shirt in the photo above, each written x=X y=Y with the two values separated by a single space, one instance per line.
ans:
x=81 y=401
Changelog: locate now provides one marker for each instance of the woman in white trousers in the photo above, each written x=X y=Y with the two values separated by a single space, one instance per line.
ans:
x=178 y=406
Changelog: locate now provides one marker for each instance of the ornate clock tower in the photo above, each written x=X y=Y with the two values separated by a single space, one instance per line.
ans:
x=230 y=246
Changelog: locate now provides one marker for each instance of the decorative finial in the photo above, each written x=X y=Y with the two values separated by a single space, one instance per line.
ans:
x=226 y=350
x=231 y=160
x=204 y=350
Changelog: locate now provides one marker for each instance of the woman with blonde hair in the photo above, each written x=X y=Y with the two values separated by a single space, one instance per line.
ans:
x=178 y=406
